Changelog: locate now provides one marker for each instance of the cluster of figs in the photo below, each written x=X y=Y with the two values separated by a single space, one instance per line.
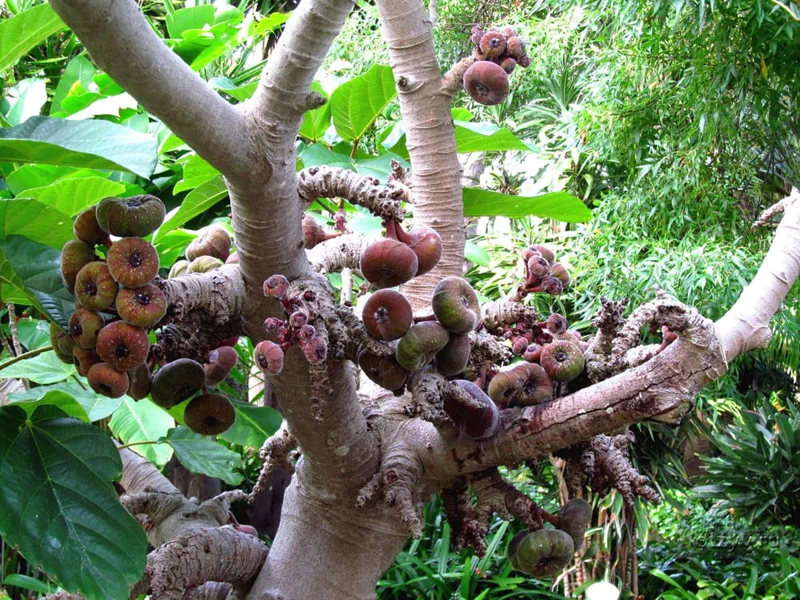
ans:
x=118 y=299
x=545 y=552
x=497 y=54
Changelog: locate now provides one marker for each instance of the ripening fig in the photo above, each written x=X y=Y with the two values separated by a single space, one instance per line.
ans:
x=204 y=264
x=209 y=414
x=557 y=323
x=84 y=359
x=515 y=47
x=508 y=64
x=213 y=240
x=74 y=256
x=455 y=305
x=176 y=381
x=504 y=387
x=233 y=259
x=545 y=252
x=387 y=315
x=574 y=518
x=551 y=285
x=220 y=363
x=388 y=263
x=536 y=386
x=542 y=553
x=298 y=319
x=84 y=324
x=559 y=271
x=315 y=350
x=313 y=234
x=386 y=372
x=178 y=269
x=95 y=288
x=562 y=360
x=420 y=344
x=492 y=44
x=423 y=241
x=269 y=357
x=132 y=262
x=453 y=358
x=143 y=306
x=478 y=422
x=524 y=61
x=122 y=346
x=105 y=379
x=486 y=82
x=87 y=229
x=62 y=344
x=519 y=344
x=533 y=353
x=538 y=266
x=137 y=216
x=141 y=379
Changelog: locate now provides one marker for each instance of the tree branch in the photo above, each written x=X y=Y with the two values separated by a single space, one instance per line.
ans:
x=121 y=42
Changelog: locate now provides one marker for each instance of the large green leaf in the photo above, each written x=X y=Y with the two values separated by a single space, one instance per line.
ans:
x=44 y=368
x=80 y=71
x=34 y=271
x=34 y=220
x=24 y=100
x=202 y=454
x=196 y=202
x=79 y=402
x=196 y=172
x=253 y=425
x=26 y=30
x=72 y=195
x=143 y=421
x=557 y=205
x=57 y=504
x=357 y=103
x=193 y=17
x=317 y=155
x=33 y=176
x=486 y=137
x=93 y=144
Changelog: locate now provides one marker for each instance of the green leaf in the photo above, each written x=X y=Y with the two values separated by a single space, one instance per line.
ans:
x=172 y=245
x=93 y=406
x=32 y=176
x=317 y=121
x=27 y=583
x=93 y=144
x=24 y=100
x=81 y=71
x=317 y=155
x=203 y=455
x=194 y=17
x=556 y=205
x=34 y=220
x=269 y=24
x=196 y=202
x=35 y=271
x=357 y=103
x=238 y=92
x=33 y=333
x=486 y=137
x=26 y=30
x=476 y=254
x=196 y=172
x=380 y=167
x=44 y=368
x=143 y=421
x=71 y=196
x=253 y=425
x=57 y=504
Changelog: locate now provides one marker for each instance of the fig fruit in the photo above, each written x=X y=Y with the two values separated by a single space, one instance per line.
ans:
x=87 y=229
x=137 y=216
x=178 y=269
x=536 y=386
x=386 y=372
x=478 y=422
x=122 y=346
x=315 y=350
x=515 y=47
x=504 y=387
x=62 y=344
x=492 y=44
x=132 y=262
x=455 y=305
x=559 y=271
x=486 y=82
x=508 y=64
x=84 y=359
x=562 y=360
x=143 y=306
x=95 y=288
x=538 y=265
x=453 y=358
x=423 y=241
x=209 y=414
x=387 y=263
x=276 y=286
x=574 y=518
x=220 y=363
x=204 y=264
x=269 y=357
x=84 y=324
x=544 y=251
x=557 y=323
x=141 y=379
x=533 y=353
x=213 y=240
x=387 y=315
x=74 y=256
x=176 y=381
x=105 y=379
x=420 y=344
x=542 y=553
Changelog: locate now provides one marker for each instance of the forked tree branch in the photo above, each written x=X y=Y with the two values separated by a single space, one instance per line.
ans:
x=121 y=41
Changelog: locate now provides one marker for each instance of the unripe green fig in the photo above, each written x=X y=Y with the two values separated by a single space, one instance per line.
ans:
x=62 y=344
x=562 y=360
x=74 y=256
x=542 y=554
x=574 y=518
x=136 y=216
x=453 y=358
x=455 y=305
x=420 y=344
x=204 y=264
x=504 y=387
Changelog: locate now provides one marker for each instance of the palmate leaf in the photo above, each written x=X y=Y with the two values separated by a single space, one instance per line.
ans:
x=556 y=205
x=92 y=144
x=57 y=504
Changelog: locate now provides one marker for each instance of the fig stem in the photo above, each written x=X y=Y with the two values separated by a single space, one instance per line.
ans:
x=552 y=519
x=24 y=355
x=140 y=443
x=78 y=381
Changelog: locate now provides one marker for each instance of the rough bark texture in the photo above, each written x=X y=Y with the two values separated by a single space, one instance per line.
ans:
x=366 y=466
